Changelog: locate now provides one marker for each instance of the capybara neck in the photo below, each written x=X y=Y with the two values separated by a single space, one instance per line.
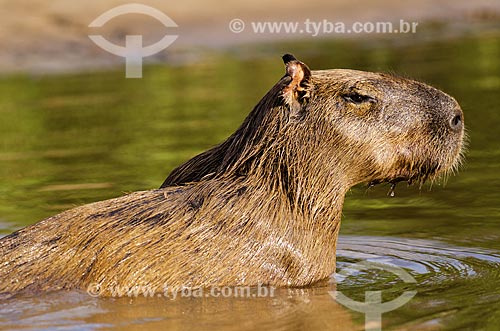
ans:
x=287 y=188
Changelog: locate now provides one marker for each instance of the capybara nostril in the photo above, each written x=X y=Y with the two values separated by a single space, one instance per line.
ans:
x=456 y=122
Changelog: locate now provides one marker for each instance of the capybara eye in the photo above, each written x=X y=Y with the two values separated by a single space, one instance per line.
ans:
x=357 y=98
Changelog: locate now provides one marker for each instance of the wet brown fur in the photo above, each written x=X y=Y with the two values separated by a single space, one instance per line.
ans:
x=262 y=207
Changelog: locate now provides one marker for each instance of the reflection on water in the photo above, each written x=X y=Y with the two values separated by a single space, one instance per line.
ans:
x=420 y=256
x=447 y=278
x=74 y=139
x=78 y=311
x=445 y=274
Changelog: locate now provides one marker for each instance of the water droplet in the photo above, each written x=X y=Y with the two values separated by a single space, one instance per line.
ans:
x=391 y=190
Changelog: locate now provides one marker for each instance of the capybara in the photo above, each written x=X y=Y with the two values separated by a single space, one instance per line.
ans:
x=264 y=206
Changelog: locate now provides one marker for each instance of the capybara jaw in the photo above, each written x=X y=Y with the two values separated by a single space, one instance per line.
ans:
x=262 y=207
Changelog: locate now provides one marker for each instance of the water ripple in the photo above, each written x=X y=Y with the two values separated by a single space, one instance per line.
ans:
x=433 y=259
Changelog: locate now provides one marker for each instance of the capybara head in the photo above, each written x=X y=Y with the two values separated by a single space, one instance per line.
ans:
x=391 y=128
x=351 y=126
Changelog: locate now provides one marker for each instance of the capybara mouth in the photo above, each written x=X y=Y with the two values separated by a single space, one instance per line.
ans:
x=429 y=170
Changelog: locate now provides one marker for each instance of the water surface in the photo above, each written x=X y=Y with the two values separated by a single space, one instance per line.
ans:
x=73 y=139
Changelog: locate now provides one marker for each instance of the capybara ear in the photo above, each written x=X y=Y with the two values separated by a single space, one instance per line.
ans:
x=296 y=92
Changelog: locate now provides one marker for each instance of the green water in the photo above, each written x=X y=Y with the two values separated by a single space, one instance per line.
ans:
x=73 y=139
